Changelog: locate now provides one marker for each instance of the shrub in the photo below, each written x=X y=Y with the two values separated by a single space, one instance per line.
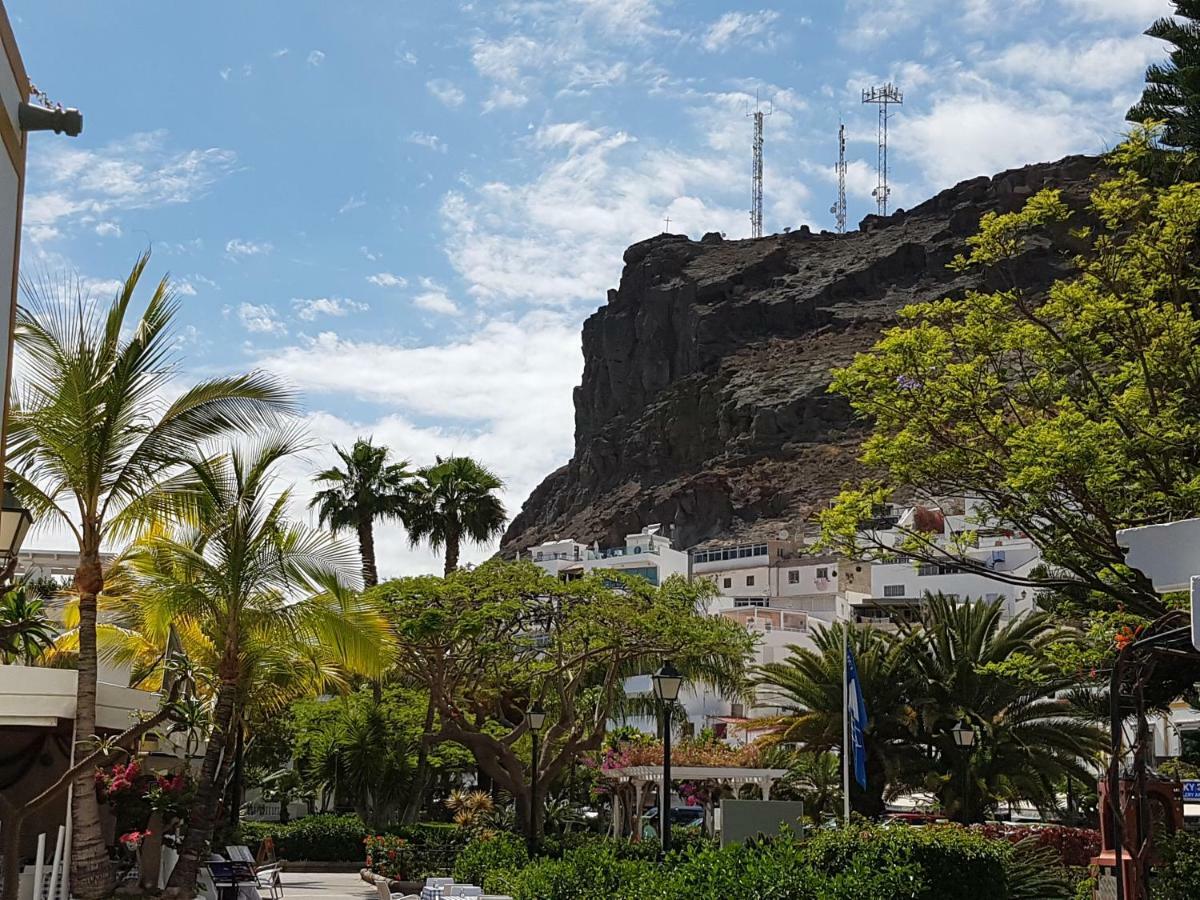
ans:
x=592 y=872
x=325 y=838
x=389 y=856
x=954 y=864
x=1178 y=875
x=490 y=854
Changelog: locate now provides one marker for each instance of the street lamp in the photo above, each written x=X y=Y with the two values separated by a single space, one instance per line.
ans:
x=537 y=718
x=667 y=682
x=14 y=525
x=964 y=737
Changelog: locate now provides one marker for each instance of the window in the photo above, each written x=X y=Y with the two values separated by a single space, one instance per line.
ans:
x=794 y=576
x=751 y=601
x=893 y=590
x=749 y=581
x=823 y=572
x=728 y=582
x=935 y=569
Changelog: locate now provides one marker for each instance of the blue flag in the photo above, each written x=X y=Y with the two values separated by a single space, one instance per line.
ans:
x=858 y=720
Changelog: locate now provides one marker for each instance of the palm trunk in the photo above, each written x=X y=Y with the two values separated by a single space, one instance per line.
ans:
x=235 y=785
x=451 y=552
x=366 y=549
x=92 y=875
x=203 y=815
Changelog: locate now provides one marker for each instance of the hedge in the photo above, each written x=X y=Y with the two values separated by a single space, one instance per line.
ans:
x=342 y=838
x=863 y=861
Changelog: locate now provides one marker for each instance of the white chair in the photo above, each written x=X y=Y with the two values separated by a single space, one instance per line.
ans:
x=385 y=893
x=268 y=876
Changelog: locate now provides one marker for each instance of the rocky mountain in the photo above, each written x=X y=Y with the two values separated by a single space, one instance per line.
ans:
x=704 y=402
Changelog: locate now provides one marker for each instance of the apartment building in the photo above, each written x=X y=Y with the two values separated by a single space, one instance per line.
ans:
x=647 y=554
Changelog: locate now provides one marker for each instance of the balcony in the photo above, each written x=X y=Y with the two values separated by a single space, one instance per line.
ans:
x=618 y=552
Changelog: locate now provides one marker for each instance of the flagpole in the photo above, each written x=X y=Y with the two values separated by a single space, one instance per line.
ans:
x=845 y=723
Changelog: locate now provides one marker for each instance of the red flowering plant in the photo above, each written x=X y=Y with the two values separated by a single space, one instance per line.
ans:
x=388 y=856
x=1074 y=846
x=132 y=840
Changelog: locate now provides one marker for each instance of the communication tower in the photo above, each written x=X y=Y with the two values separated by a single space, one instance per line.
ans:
x=882 y=96
x=756 y=188
x=839 y=208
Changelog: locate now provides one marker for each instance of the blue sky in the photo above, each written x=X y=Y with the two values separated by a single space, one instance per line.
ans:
x=408 y=209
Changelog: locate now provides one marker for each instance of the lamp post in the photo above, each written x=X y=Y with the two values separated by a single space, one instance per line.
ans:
x=537 y=718
x=964 y=737
x=14 y=525
x=667 y=681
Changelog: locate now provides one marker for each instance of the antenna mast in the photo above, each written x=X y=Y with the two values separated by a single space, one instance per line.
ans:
x=839 y=208
x=882 y=96
x=756 y=188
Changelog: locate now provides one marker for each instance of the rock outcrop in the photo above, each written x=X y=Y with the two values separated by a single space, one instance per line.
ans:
x=704 y=402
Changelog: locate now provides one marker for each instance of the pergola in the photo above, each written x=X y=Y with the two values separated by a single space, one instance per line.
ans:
x=643 y=776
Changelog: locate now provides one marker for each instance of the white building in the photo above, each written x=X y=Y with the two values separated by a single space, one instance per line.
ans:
x=646 y=554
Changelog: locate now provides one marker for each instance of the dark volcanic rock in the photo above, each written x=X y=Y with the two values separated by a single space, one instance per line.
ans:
x=704 y=400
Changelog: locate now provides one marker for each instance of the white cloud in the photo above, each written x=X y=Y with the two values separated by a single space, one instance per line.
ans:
x=108 y=229
x=280 y=53
x=354 y=201
x=225 y=73
x=184 y=287
x=435 y=299
x=388 y=280
x=966 y=135
x=316 y=57
x=446 y=92
x=1133 y=12
x=1079 y=66
x=237 y=247
x=85 y=186
x=432 y=141
x=309 y=309
x=737 y=28
x=557 y=238
x=260 y=319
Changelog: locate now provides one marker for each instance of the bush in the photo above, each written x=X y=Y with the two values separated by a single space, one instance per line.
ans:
x=954 y=864
x=324 y=838
x=1178 y=876
x=592 y=872
x=490 y=854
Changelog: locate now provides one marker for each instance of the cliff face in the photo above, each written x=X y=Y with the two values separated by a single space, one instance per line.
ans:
x=704 y=402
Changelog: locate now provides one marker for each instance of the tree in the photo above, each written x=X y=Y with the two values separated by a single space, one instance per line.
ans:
x=807 y=687
x=266 y=595
x=369 y=488
x=1070 y=414
x=1172 y=92
x=491 y=641
x=452 y=501
x=973 y=667
x=25 y=629
x=95 y=445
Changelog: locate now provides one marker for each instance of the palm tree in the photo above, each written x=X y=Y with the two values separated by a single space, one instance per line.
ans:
x=973 y=667
x=94 y=444
x=261 y=596
x=369 y=488
x=25 y=629
x=807 y=686
x=1172 y=92
x=455 y=500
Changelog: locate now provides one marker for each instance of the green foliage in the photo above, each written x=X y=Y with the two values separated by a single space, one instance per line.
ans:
x=369 y=488
x=1178 y=878
x=490 y=853
x=454 y=500
x=25 y=628
x=494 y=639
x=1171 y=93
x=430 y=845
x=1071 y=412
x=325 y=838
x=846 y=864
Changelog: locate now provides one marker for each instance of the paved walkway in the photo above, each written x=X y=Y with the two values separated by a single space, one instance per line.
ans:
x=326 y=886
